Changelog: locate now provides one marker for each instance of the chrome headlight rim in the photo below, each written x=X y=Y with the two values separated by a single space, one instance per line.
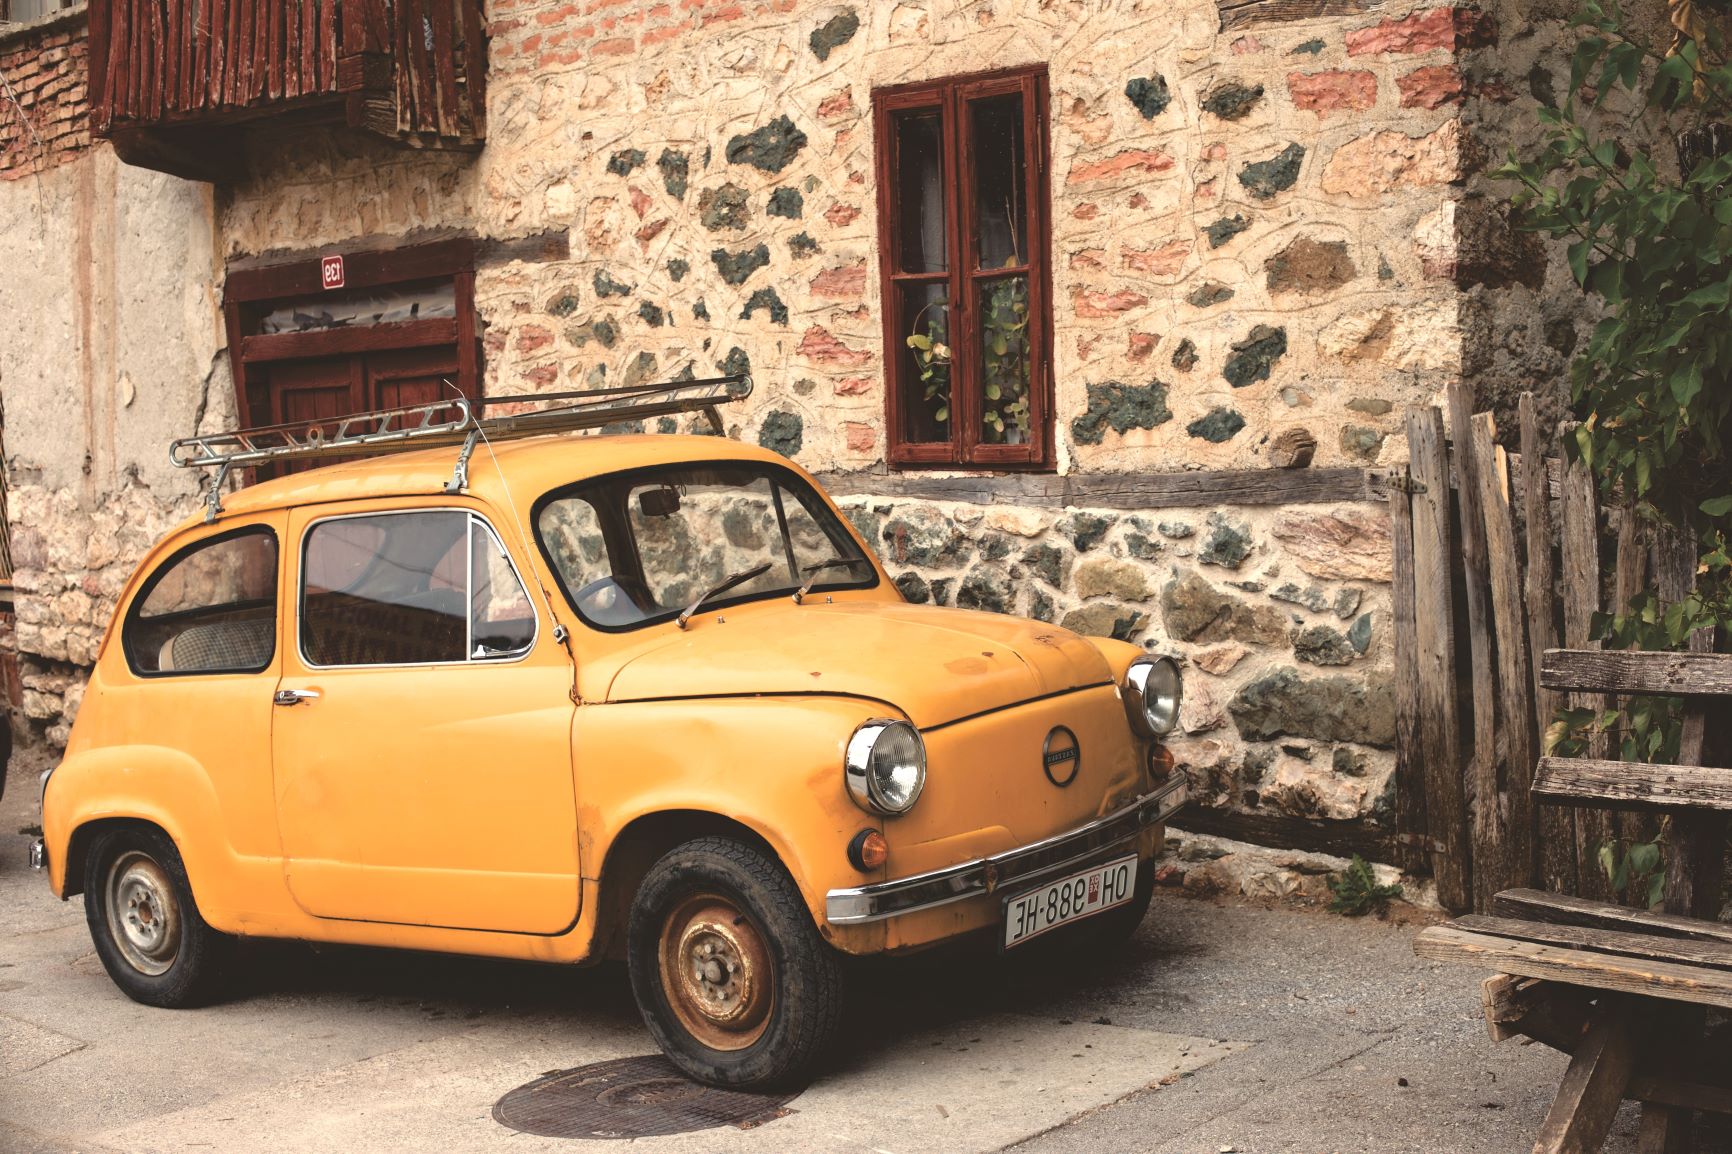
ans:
x=863 y=784
x=1158 y=717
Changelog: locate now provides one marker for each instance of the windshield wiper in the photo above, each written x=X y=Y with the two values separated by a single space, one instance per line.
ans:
x=812 y=572
x=739 y=578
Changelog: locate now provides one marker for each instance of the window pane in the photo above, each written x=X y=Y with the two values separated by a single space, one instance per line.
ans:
x=1004 y=361
x=213 y=610
x=501 y=621
x=397 y=590
x=1000 y=185
x=924 y=362
x=922 y=236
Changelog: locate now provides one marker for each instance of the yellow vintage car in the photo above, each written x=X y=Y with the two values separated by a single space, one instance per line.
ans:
x=534 y=694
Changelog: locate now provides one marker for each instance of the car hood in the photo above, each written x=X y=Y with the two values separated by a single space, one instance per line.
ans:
x=936 y=665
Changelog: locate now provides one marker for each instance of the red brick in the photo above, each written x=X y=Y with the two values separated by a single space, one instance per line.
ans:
x=1431 y=87
x=1142 y=344
x=837 y=105
x=844 y=283
x=821 y=346
x=1163 y=261
x=860 y=437
x=617 y=46
x=855 y=386
x=841 y=214
x=532 y=337
x=1142 y=161
x=1326 y=92
x=1098 y=303
x=1437 y=29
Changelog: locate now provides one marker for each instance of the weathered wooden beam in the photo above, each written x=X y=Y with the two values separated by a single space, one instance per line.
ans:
x=1490 y=844
x=1595 y=782
x=1237 y=14
x=1555 y=834
x=1580 y=551
x=1636 y=672
x=1593 y=1087
x=1673 y=981
x=1117 y=490
x=1535 y=905
x=1409 y=758
x=1296 y=833
x=1713 y=954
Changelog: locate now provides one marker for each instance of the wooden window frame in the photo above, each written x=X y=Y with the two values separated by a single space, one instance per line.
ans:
x=950 y=96
x=249 y=294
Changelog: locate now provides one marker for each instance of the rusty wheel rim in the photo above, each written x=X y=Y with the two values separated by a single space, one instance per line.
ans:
x=144 y=919
x=717 y=972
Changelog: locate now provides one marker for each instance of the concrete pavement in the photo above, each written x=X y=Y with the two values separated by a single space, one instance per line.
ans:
x=1262 y=1030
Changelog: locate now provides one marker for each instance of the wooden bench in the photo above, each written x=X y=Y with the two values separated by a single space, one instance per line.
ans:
x=1622 y=990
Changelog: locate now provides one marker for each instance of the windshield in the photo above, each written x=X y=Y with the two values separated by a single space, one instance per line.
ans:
x=640 y=547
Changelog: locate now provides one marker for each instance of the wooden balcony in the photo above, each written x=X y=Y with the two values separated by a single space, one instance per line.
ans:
x=175 y=83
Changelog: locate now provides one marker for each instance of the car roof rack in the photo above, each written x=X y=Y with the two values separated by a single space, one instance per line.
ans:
x=458 y=421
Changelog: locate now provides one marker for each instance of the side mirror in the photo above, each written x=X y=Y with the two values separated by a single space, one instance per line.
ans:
x=662 y=502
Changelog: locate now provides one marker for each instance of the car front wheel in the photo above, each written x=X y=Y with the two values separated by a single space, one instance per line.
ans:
x=143 y=922
x=735 y=984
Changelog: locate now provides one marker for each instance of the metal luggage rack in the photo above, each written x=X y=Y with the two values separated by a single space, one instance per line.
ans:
x=458 y=421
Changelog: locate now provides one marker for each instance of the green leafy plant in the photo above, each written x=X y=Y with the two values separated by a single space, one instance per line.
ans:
x=1005 y=359
x=1636 y=868
x=932 y=358
x=1355 y=892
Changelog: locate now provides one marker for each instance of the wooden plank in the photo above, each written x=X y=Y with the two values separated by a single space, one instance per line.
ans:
x=1409 y=756
x=1551 y=1013
x=1298 y=833
x=1445 y=800
x=1593 y=1087
x=309 y=45
x=327 y=50
x=114 y=88
x=215 y=63
x=1673 y=1092
x=1597 y=782
x=171 y=53
x=1635 y=671
x=414 y=12
x=474 y=68
x=1555 y=827
x=1671 y=981
x=1629 y=577
x=1712 y=954
x=444 y=65
x=191 y=79
x=1580 y=535
x=1491 y=871
x=1535 y=905
x=1117 y=490
x=1515 y=706
x=1236 y=14
x=346 y=341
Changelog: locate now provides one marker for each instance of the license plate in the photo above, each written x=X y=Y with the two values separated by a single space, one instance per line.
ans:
x=1070 y=899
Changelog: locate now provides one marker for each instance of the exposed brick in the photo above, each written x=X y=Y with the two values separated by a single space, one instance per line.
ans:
x=531 y=338
x=841 y=215
x=845 y=283
x=820 y=346
x=1093 y=303
x=1145 y=161
x=1326 y=92
x=860 y=437
x=1431 y=87
x=855 y=386
x=1163 y=261
x=1436 y=29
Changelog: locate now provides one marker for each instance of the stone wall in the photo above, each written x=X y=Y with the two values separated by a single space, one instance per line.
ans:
x=44 y=63
x=1259 y=245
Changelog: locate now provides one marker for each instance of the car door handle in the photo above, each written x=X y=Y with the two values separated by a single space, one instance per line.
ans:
x=294 y=696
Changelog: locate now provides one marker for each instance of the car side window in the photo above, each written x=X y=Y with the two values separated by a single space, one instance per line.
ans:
x=211 y=608
x=412 y=588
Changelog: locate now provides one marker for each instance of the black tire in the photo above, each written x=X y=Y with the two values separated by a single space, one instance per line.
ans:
x=135 y=877
x=703 y=904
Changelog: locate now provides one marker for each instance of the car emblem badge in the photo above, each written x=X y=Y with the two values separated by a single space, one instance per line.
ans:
x=1060 y=756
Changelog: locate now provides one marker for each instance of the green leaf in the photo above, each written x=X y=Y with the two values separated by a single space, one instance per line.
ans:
x=1717 y=506
x=1578 y=254
x=1656 y=891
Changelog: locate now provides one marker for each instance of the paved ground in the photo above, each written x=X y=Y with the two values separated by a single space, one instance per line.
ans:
x=1258 y=1030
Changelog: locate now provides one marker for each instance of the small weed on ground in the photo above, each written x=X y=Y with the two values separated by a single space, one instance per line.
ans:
x=1355 y=892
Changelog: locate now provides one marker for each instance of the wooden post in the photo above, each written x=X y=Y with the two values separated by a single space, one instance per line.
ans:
x=1410 y=830
x=1593 y=1087
x=1557 y=826
x=1440 y=735
x=1515 y=710
x=1581 y=587
x=1484 y=803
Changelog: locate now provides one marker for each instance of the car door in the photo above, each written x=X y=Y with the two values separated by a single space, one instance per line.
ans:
x=421 y=747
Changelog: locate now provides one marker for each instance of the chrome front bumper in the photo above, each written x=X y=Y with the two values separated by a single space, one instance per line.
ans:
x=1025 y=864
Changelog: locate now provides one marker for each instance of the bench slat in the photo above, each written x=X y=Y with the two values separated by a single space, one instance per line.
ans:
x=1539 y=906
x=1632 y=784
x=1671 y=980
x=1633 y=671
x=1717 y=955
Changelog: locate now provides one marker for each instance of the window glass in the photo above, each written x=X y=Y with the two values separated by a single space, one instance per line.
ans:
x=1000 y=183
x=210 y=609
x=410 y=589
x=920 y=187
x=642 y=547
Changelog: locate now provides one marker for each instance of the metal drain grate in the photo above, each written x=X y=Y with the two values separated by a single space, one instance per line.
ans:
x=629 y=1098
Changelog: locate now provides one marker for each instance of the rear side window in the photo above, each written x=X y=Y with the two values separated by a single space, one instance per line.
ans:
x=211 y=608
x=419 y=588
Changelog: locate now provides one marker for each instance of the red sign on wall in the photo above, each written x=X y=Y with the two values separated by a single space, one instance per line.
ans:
x=331 y=271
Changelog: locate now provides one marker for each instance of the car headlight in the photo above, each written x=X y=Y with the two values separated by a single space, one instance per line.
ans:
x=1153 y=688
x=886 y=766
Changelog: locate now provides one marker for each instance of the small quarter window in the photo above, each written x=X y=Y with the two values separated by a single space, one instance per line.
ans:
x=415 y=588
x=212 y=608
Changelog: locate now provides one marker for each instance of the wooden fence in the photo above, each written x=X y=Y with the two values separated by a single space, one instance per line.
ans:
x=1497 y=559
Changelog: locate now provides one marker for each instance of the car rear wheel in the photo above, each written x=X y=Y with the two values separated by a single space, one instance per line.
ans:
x=145 y=926
x=734 y=982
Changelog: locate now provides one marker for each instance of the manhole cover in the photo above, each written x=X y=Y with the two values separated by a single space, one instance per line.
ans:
x=629 y=1098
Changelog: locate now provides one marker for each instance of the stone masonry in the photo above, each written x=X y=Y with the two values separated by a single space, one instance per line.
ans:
x=1263 y=250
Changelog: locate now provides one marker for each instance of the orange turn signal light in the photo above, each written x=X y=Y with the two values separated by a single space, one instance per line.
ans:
x=868 y=851
x=1161 y=763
